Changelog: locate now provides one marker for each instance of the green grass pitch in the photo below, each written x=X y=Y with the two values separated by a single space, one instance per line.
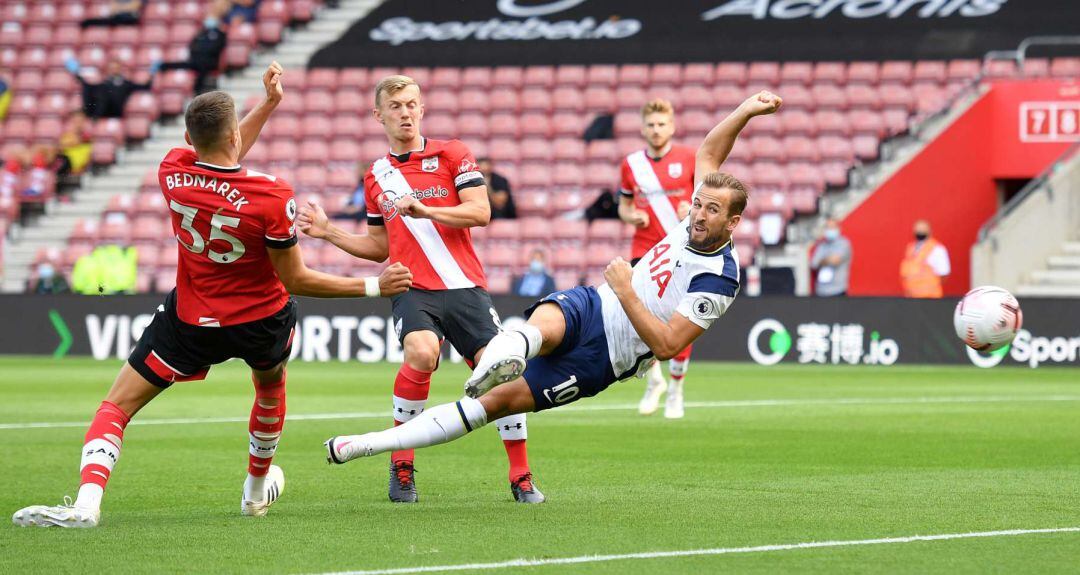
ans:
x=857 y=453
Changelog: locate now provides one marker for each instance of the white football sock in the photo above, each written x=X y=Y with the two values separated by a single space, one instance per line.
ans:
x=512 y=427
x=436 y=425
x=656 y=375
x=255 y=488
x=89 y=496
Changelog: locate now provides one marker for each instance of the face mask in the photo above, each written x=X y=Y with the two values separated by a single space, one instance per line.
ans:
x=536 y=267
x=210 y=23
x=832 y=234
x=46 y=271
x=920 y=236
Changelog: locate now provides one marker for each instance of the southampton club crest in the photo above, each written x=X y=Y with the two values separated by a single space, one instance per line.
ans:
x=674 y=169
x=430 y=164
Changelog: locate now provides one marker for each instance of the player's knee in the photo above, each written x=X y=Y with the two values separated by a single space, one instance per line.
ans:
x=423 y=357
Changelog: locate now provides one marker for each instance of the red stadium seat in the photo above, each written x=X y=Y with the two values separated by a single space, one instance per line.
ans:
x=633 y=75
x=829 y=97
x=504 y=124
x=570 y=75
x=137 y=128
x=767 y=148
x=314 y=152
x=421 y=75
x=442 y=126
x=627 y=123
x=1001 y=69
x=442 y=100
x=473 y=125
x=534 y=203
x=897 y=72
x=474 y=100
x=536 y=100
x=833 y=147
x=863 y=96
x=570 y=149
x=143 y=105
x=505 y=101
x=897 y=96
x=630 y=98
x=600 y=175
x=503 y=230
x=865 y=146
x=567 y=99
x=539 y=76
x=508 y=77
x=800 y=148
x=443 y=78
x=864 y=122
x=863 y=73
x=727 y=96
x=602 y=150
x=695 y=97
x=964 y=69
x=535 y=124
x=831 y=72
x=536 y=176
x=475 y=77
x=605 y=231
x=797 y=73
x=1065 y=68
x=604 y=75
x=599 y=99
x=796 y=97
x=896 y=121
x=568 y=175
x=797 y=122
x=764 y=73
x=699 y=74
x=568 y=124
x=504 y=150
x=354 y=79
x=930 y=71
x=537 y=149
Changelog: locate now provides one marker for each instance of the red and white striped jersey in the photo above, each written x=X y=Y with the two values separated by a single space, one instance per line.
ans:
x=440 y=257
x=657 y=186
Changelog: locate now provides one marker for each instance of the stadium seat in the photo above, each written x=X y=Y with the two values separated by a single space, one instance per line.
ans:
x=570 y=76
x=898 y=72
x=863 y=73
x=965 y=70
x=536 y=100
x=763 y=73
x=796 y=73
x=508 y=77
x=830 y=72
x=633 y=75
x=504 y=124
x=505 y=101
x=567 y=99
x=539 y=77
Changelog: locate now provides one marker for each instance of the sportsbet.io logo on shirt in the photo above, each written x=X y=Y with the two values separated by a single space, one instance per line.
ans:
x=769 y=342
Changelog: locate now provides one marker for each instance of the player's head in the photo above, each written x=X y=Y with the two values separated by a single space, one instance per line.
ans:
x=716 y=211
x=398 y=107
x=211 y=124
x=921 y=229
x=657 y=123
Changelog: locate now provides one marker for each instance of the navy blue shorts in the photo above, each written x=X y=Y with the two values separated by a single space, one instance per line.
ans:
x=580 y=366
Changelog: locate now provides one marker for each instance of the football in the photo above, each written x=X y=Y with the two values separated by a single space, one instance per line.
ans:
x=987 y=318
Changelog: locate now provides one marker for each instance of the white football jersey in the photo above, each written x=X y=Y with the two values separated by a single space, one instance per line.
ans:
x=671 y=277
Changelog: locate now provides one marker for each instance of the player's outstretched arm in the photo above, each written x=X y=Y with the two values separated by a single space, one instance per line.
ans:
x=254 y=120
x=374 y=245
x=719 y=141
x=665 y=340
x=302 y=280
x=473 y=211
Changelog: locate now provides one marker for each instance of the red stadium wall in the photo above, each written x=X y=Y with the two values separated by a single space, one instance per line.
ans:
x=1015 y=130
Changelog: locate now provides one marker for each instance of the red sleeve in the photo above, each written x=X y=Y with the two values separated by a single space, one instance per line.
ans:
x=463 y=166
x=371 y=202
x=626 y=180
x=279 y=215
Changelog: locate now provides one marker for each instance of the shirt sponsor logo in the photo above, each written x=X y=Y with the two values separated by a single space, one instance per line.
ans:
x=387 y=199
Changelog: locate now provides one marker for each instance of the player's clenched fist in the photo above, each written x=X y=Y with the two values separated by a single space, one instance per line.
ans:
x=619 y=275
x=394 y=280
x=272 y=82
x=412 y=207
x=639 y=219
x=312 y=220
x=762 y=103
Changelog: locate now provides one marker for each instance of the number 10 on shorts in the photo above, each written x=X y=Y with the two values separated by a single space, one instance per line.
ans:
x=564 y=392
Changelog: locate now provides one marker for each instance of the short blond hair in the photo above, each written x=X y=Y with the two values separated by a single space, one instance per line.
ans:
x=724 y=180
x=657 y=106
x=392 y=85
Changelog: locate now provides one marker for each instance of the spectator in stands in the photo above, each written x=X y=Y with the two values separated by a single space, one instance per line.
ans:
x=5 y=98
x=75 y=146
x=109 y=269
x=604 y=207
x=925 y=264
x=122 y=13
x=499 y=196
x=355 y=209
x=537 y=281
x=26 y=172
x=106 y=99
x=11 y=175
x=241 y=11
x=832 y=262
x=204 y=52
x=48 y=281
x=601 y=128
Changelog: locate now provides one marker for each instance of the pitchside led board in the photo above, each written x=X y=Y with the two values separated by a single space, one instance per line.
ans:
x=522 y=32
x=769 y=330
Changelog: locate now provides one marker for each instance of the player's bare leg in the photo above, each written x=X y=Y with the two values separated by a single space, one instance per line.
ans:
x=411 y=386
x=265 y=482
x=440 y=424
x=129 y=393
x=506 y=354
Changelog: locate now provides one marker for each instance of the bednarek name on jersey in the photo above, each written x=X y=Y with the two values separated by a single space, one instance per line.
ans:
x=220 y=187
x=671 y=278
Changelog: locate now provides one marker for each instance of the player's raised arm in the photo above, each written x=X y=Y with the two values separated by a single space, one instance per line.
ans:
x=719 y=141
x=373 y=246
x=254 y=120
x=299 y=279
x=665 y=340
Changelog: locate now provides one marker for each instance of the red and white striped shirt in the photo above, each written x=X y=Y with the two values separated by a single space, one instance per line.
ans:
x=658 y=186
x=440 y=257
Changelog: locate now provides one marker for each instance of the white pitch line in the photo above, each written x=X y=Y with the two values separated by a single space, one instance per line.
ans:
x=597 y=407
x=697 y=552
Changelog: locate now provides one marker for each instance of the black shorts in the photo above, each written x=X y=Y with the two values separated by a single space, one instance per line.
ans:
x=171 y=350
x=466 y=317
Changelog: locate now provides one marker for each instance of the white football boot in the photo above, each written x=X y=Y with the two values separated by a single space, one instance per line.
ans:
x=343 y=448
x=654 y=389
x=503 y=361
x=66 y=515
x=673 y=406
x=272 y=488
